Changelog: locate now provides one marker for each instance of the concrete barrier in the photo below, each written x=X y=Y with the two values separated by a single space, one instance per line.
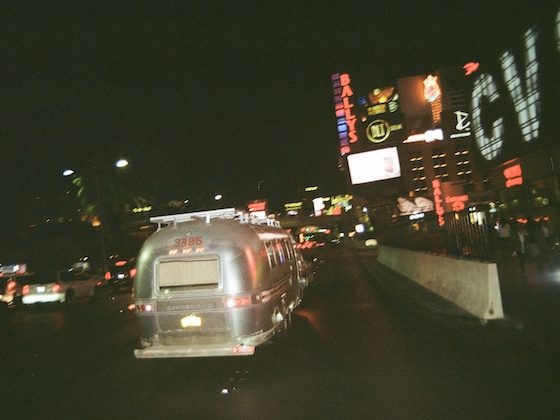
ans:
x=471 y=285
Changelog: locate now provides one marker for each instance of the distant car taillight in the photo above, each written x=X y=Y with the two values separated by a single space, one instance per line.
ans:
x=108 y=275
x=25 y=289
x=56 y=288
x=11 y=287
x=133 y=272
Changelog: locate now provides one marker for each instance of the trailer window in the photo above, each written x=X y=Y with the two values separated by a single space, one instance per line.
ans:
x=288 y=249
x=280 y=252
x=271 y=256
x=192 y=273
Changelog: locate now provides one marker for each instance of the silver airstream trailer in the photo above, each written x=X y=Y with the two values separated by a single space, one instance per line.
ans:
x=215 y=283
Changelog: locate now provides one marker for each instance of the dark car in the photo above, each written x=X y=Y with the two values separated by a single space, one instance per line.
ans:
x=121 y=273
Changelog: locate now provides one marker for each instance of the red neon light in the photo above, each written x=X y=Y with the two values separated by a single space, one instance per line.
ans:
x=258 y=206
x=470 y=68
x=350 y=118
x=513 y=182
x=513 y=176
x=438 y=201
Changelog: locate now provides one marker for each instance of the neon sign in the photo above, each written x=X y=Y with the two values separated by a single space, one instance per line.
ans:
x=463 y=125
x=457 y=202
x=379 y=130
x=383 y=101
x=438 y=201
x=256 y=206
x=513 y=176
x=471 y=68
x=431 y=88
x=345 y=119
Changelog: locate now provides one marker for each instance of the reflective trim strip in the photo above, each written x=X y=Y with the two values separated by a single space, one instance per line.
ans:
x=278 y=290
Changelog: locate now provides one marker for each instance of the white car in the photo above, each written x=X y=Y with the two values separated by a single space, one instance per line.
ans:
x=61 y=287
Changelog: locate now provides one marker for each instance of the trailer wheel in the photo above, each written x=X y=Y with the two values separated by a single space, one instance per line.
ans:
x=283 y=331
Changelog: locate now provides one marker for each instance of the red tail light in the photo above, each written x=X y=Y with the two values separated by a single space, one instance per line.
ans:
x=133 y=272
x=56 y=288
x=108 y=275
x=144 y=307
x=25 y=289
x=238 y=301
x=11 y=287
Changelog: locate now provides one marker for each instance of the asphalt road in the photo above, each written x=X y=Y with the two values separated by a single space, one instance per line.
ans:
x=352 y=353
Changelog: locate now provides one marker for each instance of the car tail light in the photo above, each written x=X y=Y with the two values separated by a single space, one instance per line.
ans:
x=11 y=287
x=238 y=301
x=108 y=275
x=144 y=307
x=56 y=288
x=25 y=289
x=133 y=272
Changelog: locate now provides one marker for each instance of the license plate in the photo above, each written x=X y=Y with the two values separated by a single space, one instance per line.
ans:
x=41 y=289
x=120 y=276
x=190 y=321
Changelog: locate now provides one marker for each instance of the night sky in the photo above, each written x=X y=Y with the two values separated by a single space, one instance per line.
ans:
x=212 y=96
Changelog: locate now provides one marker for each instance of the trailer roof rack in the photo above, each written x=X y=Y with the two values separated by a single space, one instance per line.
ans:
x=231 y=213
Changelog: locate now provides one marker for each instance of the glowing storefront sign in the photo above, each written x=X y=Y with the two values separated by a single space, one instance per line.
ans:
x=457 y=202
x=431 y=88
x=257 y=206
x=471 y=68
x=378 y=131
x=463 y=125
x=383 y=101
x=438 y=201
x=298 y=205
x=432 y=93
x=513 y=176
x=428 y=136
x=346 y=120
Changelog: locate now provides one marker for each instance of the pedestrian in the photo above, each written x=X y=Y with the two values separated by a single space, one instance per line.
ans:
x=520 y=241
x=544 y=242
x=533 y=239
x=504 y=236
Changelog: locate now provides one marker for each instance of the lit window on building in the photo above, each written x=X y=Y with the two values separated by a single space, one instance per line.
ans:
x=464 y=171
x=439 y=163
x=419 y=176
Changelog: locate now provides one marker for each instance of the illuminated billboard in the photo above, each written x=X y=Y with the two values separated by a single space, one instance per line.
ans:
x=332 y=206
x=375 y=165
x=409 y=206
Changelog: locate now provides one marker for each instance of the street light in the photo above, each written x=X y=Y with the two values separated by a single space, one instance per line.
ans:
x=218 y=197
x=121 y=163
